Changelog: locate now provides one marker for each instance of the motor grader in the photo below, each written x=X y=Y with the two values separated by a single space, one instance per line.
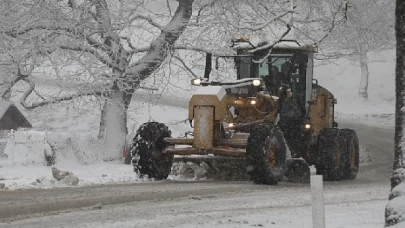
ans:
x=275 y=115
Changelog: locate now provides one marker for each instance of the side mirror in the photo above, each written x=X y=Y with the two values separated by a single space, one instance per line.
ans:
x=315 y=81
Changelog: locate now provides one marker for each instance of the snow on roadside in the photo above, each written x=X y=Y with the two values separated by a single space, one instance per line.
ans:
x=355 y=215
x=37 y=176
x=84 y=159
x=277 y=207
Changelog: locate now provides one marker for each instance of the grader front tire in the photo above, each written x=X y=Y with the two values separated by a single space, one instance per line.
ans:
x=266 y=154
x=148 y=157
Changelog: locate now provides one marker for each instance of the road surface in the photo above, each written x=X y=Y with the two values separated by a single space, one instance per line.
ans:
x=203 y=203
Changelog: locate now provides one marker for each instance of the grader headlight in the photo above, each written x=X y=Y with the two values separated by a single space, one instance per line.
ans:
x=256 y=82
x=196 y=81
x=307 y=126
x=253 y=102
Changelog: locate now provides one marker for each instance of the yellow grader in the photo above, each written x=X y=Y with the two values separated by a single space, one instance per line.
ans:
x=275 y=115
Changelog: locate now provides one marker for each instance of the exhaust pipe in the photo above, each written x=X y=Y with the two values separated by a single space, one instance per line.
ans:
x=208 y=66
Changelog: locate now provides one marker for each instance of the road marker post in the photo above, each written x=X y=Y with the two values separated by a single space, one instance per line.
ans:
x=12 y=148
x=318 y=210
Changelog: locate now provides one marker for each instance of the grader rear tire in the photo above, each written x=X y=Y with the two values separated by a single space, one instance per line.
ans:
x=266 y=154
x=332 y=157
x=148 y=157
x=351 y=143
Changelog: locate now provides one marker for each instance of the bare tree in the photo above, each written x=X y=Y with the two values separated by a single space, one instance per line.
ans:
x=369 y=27
x=97 y=31
x=395 y=209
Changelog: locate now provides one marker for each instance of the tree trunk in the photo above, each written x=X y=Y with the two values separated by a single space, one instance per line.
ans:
x=113 y=124
x=113 y=116
x=394 y=211
x=364 y=72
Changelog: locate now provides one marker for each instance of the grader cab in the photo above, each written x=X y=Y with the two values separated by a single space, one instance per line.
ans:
x=275 y=115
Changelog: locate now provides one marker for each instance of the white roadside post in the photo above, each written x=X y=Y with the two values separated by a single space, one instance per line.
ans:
x=45 y=141
x=12 y=147
x=318 y=211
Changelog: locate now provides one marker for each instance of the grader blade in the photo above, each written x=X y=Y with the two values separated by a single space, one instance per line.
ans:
x=217 y=167
x=297 y=171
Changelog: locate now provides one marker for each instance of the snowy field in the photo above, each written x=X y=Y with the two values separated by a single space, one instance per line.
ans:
x=342 y=78
x=29 y=172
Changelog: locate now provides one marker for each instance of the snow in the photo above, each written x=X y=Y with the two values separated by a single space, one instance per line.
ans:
x=211 y=90
x=364 y=215
x=279 y=207
x=83 y=159
x=115 y=137
x=397 y=206
x=342 y=78
x=4 y=105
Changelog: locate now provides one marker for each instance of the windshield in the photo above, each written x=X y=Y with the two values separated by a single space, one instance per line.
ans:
x=276 y=70
x=275 y=65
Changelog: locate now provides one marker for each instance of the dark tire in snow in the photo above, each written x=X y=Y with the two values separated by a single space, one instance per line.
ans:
x=350 y=142
x=266 y=154
x=331 y=155
x=148 y=157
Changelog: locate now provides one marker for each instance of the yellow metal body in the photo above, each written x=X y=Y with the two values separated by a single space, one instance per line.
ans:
x=209 y=109
x=321 y=114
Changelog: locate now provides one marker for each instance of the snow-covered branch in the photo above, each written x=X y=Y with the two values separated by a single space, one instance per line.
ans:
x=34 y=105
x=20 y=76
x=161 y=45
x=262 y=25
x=150 y=21
x=94 y=52
x=185 y=66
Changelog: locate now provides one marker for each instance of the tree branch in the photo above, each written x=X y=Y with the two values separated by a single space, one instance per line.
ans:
x=185 y=66
x=94 y=52
x=260 y=27
x=20 y=76
x=14 y=33
x=33 y=105
x=180 y=47
x=130 y=44
x=274 y=43
x=161 y=46
x=150 y=21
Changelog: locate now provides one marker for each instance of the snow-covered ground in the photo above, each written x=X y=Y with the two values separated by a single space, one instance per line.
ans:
x=84 y=160
x=283 y=206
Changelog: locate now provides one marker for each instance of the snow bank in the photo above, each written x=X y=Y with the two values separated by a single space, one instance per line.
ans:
x=81 y=154
x=395 y=208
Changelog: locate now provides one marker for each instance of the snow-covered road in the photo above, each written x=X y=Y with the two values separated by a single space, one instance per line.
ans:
x=358 y=203
x=227 y=205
